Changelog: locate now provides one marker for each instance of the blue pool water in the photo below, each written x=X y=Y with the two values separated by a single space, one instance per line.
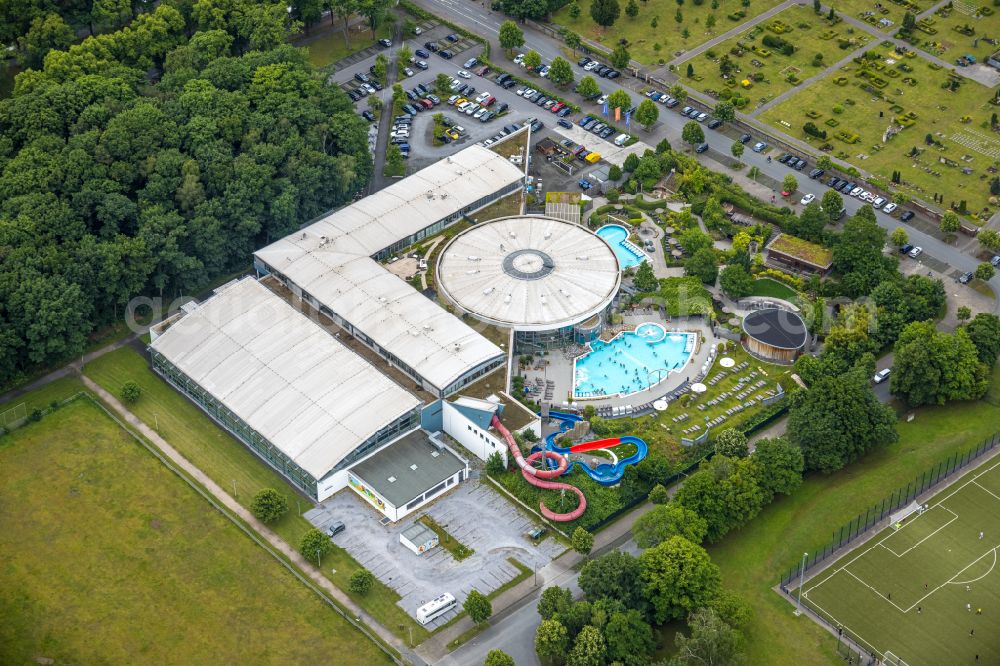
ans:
x=617 y=236
x=631 y=362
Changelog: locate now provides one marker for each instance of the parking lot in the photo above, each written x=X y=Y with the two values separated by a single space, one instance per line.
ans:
x=473 y=514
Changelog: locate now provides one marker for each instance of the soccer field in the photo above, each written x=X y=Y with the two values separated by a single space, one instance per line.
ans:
x=914 y=594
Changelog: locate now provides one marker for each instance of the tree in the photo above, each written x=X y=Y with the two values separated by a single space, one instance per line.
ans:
x=644 y=279
x=361 y=581
x=857 y=254
x=526 y=9
x=45 y=33
x=931 y=367
x=615 y=174
x=620 y=99
x=984 y=331
x=588 y=88
x=375 y=11
x=989 y=238
x=498 y=658
x=629 y=638
x=838 y=420
x=605 y=12
x=832 y=203
x=511 y=36
x=950 y=223
x=780 y=464
x=478 y=607
x=735 y=281
x=314 y=545
x=589 y=648
x=725 y=111
x=616 y=576
x=702 y=266
x=677 y=577
x=732 y=609
x=984 y=271
x=899 y=237
x=442 y=84
x=909 y=22
x=554 y=600
x=692 y=133
x=394 y=165
x=737 y=149
x=712 y=641
x=582 y=541
x=403 y=55
x=665 y=521
x=647 y=113
x=109 y=14
x=725 y=492
x=382 y=68
x=620 y=57
x=268 y=505
x=963 y=314
x=551 y=640
x=572 y=39
x=576 y=617
x=574 y=10
x=789 y=184
x=632 y=9
x=659 y=494
x=810 y=224
x=130 y=392
x=532 y=60
x=560 y=72
x=710 y=22
x=344 y=9
x=733 y=443
x=495 y=464
x=694 y=239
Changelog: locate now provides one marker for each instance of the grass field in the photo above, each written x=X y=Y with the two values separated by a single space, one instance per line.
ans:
x=227 y=461
x=936 y=111
x=326 y=45
x=916 y=592
x=754 y=558
x=110 y=558
x=772 y=289
x=948 y=43
x=668 y=34
x=811 y=35
x=889 y=10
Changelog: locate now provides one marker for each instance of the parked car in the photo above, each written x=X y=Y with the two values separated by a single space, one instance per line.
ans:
x=759 y=147
x=430 y=46
x=816 y=173
x=464 y=74
x=807 y=199
x=585 y=184
x=422 y=64
x=701 y=147
x=564 y=123
x=856 y=191
x=671 y=102
x=889 y=207
x=422 y=54
x=503 y=107
x=995 y=260
x=385 y=42
x=565 y=111
x=368 y=115
x=745 y=138
x=799 y=164
x=583 y=61
x=965 y=278
x=452 y=37
x=407 y=71
x=881 y=375
x=907 y=216
x=713 y=123
x=834 y=182
x=915 y=252
x=446 y=54
x=470 y=63
x=905 y=249
x=784 y=158
x=337 y=526
x=877 y=203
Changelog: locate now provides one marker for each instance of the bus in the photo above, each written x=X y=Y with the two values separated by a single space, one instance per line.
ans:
x=435 y=608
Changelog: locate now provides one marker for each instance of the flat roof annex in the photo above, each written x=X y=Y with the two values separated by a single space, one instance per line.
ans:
x=283 y=375
x=331 y=260
x=413 y=464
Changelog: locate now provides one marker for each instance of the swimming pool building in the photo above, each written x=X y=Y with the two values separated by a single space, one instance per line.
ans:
x=550 y=280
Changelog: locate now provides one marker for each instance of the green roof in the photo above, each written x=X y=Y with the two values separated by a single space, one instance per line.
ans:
x=803 y=250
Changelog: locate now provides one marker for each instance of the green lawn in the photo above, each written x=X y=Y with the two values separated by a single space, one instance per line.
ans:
x=651 y=45
x=809 y=33
x=948 y=43
x=41 y=398
x=227 y=461
x=934 y=110
x=772 y=289
x=753 y=559
x=890 y=10
x=110 y=558
x=327 y=46
x=935 y=562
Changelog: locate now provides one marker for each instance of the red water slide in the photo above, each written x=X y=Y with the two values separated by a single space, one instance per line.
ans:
x=535 y=476
x=596 y=444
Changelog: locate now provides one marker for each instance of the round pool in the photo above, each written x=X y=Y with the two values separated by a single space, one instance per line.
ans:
x=651 y=332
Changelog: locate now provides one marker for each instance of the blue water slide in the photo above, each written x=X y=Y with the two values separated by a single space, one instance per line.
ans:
x=606 y=474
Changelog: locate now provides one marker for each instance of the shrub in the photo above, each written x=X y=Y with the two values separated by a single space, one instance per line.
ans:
x=268 y=505
x=362 y=581
x=130 y=392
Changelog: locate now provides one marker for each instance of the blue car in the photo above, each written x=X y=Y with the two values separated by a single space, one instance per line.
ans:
x=585 y=120
x=585 y=184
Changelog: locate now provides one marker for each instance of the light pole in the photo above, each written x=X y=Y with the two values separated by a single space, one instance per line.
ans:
x=802 y=578
x=319 y=559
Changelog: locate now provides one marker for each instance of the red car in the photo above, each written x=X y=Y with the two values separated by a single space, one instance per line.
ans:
x=557 y=107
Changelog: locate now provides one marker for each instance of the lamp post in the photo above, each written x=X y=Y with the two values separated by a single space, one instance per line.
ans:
x=319 y=559
x=802 y=578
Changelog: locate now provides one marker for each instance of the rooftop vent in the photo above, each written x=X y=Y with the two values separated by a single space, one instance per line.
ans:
x=542 y=299
x=506 y=299
x=582 y=257
x=488 y=291
x=391 y=479
x=472 y=271
x=548 y=235
x=413 y=468
x=473 y=257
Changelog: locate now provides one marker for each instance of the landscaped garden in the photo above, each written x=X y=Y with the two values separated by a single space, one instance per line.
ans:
x=110 y=558
x=941 y=144
x=655 y=35
x=772 y=57
x=958 y=30
x=872 y=11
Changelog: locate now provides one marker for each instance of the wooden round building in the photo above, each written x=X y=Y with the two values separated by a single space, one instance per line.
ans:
x=774 y=335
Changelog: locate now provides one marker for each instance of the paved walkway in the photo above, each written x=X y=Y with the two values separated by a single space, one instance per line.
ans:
x=275 y=541
x=558 y=572
x=741 y=28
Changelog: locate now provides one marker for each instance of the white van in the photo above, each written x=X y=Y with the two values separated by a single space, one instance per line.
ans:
x=621 y=139
x=435 y=608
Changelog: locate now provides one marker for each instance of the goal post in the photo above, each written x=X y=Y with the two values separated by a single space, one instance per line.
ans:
x=892 y=659
x=13 y=417
x=897 y=519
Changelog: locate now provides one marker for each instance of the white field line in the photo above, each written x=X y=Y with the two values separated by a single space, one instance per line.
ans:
x=954 y=517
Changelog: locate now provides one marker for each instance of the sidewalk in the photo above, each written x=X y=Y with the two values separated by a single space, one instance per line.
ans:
x=559 y=571
x=275 y=542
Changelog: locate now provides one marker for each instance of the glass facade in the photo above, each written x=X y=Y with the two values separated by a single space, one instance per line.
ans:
x=261 y=445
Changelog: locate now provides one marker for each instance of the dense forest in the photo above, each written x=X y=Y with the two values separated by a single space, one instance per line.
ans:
x=154 y=158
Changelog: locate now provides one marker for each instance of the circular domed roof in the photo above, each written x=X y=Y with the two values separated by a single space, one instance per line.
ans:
x=529 y=272
x=777 y=328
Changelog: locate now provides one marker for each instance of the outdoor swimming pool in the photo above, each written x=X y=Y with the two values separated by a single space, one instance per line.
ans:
x=632 y=361
x=628 y=253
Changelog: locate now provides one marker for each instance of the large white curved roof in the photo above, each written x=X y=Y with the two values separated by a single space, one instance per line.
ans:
x=530 y=273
